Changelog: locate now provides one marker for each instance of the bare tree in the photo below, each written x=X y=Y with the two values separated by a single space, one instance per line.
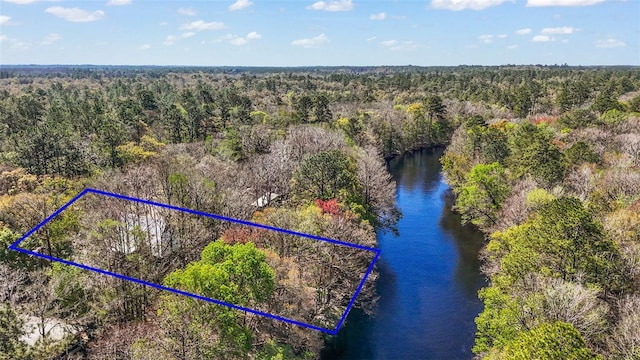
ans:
x=377 y=188
x=620 y=182
x=597 y=138
x=271 y=173
x=625 y=340
x=582 y=181
x=515 y=210
x=11 y=284
x=127 y=341
x=306 y=139
x=42 y=303
x=577 y=305
x=630 y=144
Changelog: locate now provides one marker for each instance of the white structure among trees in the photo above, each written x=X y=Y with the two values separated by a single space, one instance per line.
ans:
x=150 y=229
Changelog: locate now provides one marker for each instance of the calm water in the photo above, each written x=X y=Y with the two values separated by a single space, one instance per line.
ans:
x=429 y=276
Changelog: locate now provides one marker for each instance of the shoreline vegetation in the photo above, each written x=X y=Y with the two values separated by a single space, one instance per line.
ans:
x=544 y=159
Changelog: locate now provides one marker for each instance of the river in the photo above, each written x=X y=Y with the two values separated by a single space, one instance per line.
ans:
x=429 y=276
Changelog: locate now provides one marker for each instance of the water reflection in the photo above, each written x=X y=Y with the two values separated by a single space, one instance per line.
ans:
x=420 y=169
x=468 y=241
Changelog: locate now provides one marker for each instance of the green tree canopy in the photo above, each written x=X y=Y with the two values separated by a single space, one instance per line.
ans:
x=10 y=332
x=324 y=176
x=580 y=153
x=548 y=342
x=482 y=195
x=578 y=118
x=434 y=107
x=532 y=152
x=563 y=240
x=237 y=274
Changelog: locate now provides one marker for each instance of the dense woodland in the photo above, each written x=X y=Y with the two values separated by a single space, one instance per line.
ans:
x=545 y=160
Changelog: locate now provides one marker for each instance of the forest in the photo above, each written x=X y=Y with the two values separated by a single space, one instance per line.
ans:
x=545 y=160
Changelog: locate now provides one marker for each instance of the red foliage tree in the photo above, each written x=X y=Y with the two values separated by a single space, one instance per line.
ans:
x=329 y=207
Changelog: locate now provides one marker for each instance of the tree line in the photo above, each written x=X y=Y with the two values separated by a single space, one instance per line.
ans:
x=523 y=143
x=557 y=196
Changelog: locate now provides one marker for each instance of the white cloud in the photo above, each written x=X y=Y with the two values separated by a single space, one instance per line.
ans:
x=523 y=31
x=337 y=5
x=51 y=38
x=406 y=45
x=311 y=42
x=75 y=14
x=542 y=38
x=170 y=40
x=253 y=35
x=239 y=5
x=239 y=41
x=118 y=2
x=395 y=45
x=487 y=39
x=187 y=12
x=609 y=43
x=225 y=38
x=4 y=19
x=380 y=16
x=565 y=30
x=187 y=34
x=201 y=25
x=17 y=44
x=534 y=3
x=3 y=37
x=512 y=47
x=144 y=47
x=372 y=38
x=457 y=5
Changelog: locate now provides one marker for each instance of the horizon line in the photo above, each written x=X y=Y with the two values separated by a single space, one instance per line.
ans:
x=324 y=66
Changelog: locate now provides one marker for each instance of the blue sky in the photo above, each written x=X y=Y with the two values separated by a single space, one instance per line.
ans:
x=329 y=32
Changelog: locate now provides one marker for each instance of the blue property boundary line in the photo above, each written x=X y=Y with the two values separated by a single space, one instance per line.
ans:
x=334 y=331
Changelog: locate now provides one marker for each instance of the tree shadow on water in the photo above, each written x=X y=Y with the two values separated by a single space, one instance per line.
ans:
x=355 y=340
x=468 y=241
x=418 y=169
